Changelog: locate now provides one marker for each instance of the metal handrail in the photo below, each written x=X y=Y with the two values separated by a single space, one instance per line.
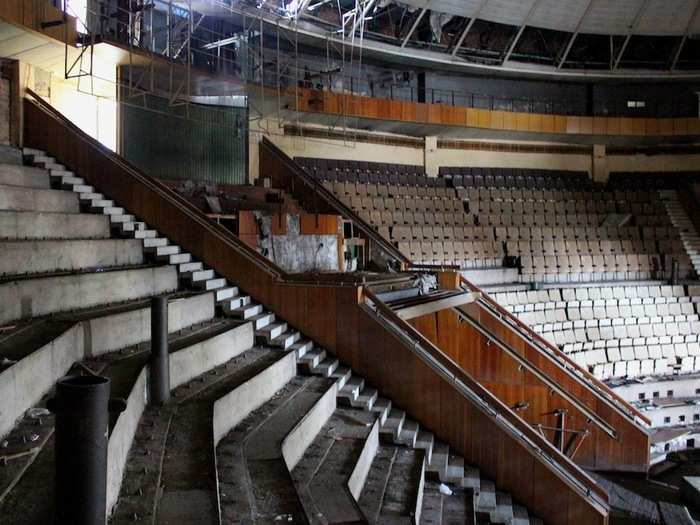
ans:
x=193 y=213
x=334 y=202
x=488 y=403
x=590 y=414
x=549 y=350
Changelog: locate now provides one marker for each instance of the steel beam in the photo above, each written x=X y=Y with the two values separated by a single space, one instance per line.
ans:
x=414 y=26
x=634 y=25
x=469 y=27
x=688 y=28
x=520 y=32
x=575 y=35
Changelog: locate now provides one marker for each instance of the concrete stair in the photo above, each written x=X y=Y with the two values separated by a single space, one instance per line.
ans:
x=686 y=228
x=272 y=413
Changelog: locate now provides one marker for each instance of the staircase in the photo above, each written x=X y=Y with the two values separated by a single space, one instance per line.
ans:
x=686 y=229
x=296 y=434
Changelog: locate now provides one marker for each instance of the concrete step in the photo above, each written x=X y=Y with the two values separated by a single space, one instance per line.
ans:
x=36 y=257
x=454 y=473
x=485 y=499
x=409 y=433
x=189 y=267
x=403 y=495
x=24 y=176
x=341 y=375
x=13 y=198
x=212 y=284
x=504 y=509
x=111 y=210
x=301 y=347
x=120 y=219
x=223 y=294
x=391 y=429
x=520 y=515
x=133 y=227
x=310 y=360
x=242 y=308
x=86 y=198
x=201 y=275
x=164 y=252
x=326 y=367
x=262 y=320
x=368 y=396
x=286 y=340
x=10 y=155
x=271 y=331
x=350 y=391
x=179 y=258
x=62 y=293
x=152 y=243
x=437 y=466
x=138 y=234
x=83 y=188
x=382 y=407
x=425 y=441
x=21 y=225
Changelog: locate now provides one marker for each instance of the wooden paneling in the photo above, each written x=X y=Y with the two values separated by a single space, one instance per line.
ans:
x=318 y=224
x=33 y=13
x=334 y=316
x=514 y=384
x=444 y=114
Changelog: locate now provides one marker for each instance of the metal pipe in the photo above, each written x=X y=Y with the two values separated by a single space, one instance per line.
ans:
x=82 y=424
x=160 y=357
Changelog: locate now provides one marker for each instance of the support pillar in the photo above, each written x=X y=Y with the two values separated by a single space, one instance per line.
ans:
x=430 y=157
x=160 y=357
x=82 y=424
x=599 y=164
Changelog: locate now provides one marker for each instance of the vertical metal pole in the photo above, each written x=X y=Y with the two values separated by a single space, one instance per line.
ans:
x=160 y=358
x=82 y=423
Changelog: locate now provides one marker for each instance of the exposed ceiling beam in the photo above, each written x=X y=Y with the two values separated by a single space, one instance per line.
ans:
x=575 y=35
x=303 y=6
x=366 y=6
x=413 y=27
x=688 y=28
x=520 y=32
x=469 y=27
x=635 y=23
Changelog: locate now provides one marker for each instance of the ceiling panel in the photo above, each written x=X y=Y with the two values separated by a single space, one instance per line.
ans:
x=659 y=17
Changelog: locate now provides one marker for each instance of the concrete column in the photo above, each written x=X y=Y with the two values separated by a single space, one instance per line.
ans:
x=599 y=164
x=431 y=157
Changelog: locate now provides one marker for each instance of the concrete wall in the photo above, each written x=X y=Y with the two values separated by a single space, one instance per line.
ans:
x=4 y=111
x=235 y=406
x=296 y=253
x=187 y=364
x=23 y=384
x=302 y=435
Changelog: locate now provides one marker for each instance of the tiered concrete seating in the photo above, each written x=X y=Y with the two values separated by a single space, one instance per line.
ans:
x=255 y=407
x=616 y=331
x=554 y=226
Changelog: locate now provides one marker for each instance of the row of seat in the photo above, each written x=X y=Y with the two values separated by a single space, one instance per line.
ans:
x=593 y=330
x=561 y=220
x=416 y=205
x=652 y=180
x=582 y=293
x=564 y=207
x=631 y=369
x=600 y=194
x=592 y=247
x=358 y=189
x=600 y=310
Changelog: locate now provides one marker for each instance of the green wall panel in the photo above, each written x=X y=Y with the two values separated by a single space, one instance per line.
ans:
x=201 y=143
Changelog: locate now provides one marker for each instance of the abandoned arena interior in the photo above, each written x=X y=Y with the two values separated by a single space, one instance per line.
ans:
x=344 y=262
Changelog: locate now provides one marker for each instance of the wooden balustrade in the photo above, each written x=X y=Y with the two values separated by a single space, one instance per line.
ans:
x=349 y=105
x=42 y=17
x=335 y=313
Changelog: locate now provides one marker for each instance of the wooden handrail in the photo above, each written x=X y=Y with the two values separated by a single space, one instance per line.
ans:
x=574 y=475
x=301 y=305
x=299 y=175
x=600 y=388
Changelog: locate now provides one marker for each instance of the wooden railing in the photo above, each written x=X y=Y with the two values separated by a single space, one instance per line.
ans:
x=311 y=194
x=336 y=314
x=496 y=439
x=42 y=17
x=525 y=331
x=371 y=108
